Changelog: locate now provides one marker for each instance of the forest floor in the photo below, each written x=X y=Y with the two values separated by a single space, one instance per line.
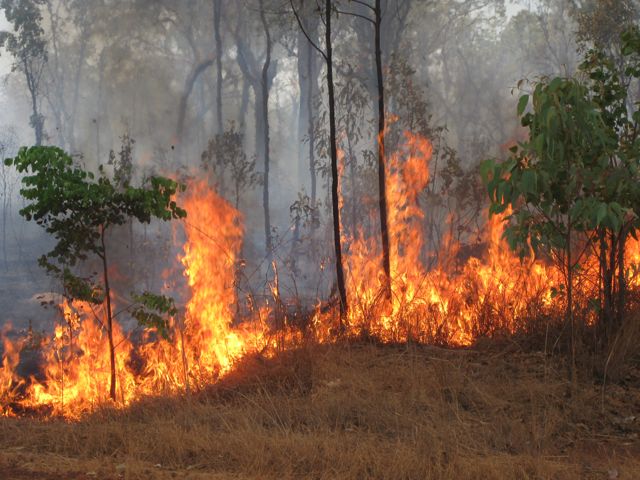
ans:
x=356 y=411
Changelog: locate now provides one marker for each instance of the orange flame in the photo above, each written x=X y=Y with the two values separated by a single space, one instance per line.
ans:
x=453 y=303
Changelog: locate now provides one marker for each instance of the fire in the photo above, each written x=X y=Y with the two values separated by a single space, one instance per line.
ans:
x=453 y=303
x=444 y=304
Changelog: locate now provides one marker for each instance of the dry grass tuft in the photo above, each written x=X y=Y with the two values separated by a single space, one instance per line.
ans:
x=352 y=412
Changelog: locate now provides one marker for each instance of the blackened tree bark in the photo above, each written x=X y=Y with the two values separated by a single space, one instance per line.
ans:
x=334 y=166
x=333 y=147
x=382 y=182
x=109 y=314
x=376 y=9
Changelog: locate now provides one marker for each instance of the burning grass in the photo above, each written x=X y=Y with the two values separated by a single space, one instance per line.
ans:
x=452 y=303
x=352 y=411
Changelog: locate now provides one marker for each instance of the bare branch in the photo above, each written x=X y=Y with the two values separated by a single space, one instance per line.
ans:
x=356 y=15
x=313 y=44
x=364 y=4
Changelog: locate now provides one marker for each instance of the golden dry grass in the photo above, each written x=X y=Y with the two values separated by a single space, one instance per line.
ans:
x=352 y=412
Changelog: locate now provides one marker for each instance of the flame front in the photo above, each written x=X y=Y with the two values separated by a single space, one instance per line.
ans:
x=453 y=303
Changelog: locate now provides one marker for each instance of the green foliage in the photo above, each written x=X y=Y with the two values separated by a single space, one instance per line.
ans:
x=576 y=180
x=225 y=157
x=28 y=46
x=77 y=207
x=154 y=311
x=73 y=205
x=579 y=168
x=27 y=41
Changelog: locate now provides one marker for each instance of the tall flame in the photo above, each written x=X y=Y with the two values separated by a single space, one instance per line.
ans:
x=453 y=303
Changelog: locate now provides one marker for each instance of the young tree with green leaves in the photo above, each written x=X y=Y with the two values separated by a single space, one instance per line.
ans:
x=78 y=209
x=574 y=185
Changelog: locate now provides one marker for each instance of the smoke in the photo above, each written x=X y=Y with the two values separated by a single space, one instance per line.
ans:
x=148 y=70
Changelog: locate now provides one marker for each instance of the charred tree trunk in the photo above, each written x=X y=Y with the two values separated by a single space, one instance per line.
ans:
x=382 y=182
x=622 y=283
x=333 y=147
x=107 y=292
x=334 y=168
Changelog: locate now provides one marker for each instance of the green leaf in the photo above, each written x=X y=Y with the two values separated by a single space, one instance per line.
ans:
x=522 y=104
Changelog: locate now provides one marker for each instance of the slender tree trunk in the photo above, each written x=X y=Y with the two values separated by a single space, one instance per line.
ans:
x=334 y=168
x=569 y=312
x=622 y=283
x=312 y=153
x=5 y=208
x=382 y=183
x=76 y=92
x=37 y=122
x=264 y=81
x=217 y=14
x=188 y=88
x=307 y=82
x=244 y=107
x=107 y=292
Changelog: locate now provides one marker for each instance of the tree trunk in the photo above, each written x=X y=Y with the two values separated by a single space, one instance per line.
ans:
x=107 y=292
x=217 y=13
x=622 y=283
x=307 y=82
x=382 y=183
x=569 y=312
x=76 y=92
x=37 y=121
x=5 y=208
x=244 y=107
x=265 y=87
x=334 y=168
x=188 y=88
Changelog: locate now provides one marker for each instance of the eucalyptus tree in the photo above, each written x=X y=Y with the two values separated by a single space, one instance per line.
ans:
x=259 y=71
x=28 y=47
x=327 y=54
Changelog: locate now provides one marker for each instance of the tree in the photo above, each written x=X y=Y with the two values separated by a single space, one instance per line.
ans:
x=376 y=10
x=79 y=210
x=29 y=49
x=261 y=80
x=574 y=184
x=308 y=83
x=8 y=144
x=327 y=55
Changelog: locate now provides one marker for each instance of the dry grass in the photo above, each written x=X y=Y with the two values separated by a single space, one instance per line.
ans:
x=352 y=412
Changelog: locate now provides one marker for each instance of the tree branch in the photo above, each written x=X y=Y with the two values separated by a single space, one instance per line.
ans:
x=364 y=4
x=356 y=15
x=295 y=13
